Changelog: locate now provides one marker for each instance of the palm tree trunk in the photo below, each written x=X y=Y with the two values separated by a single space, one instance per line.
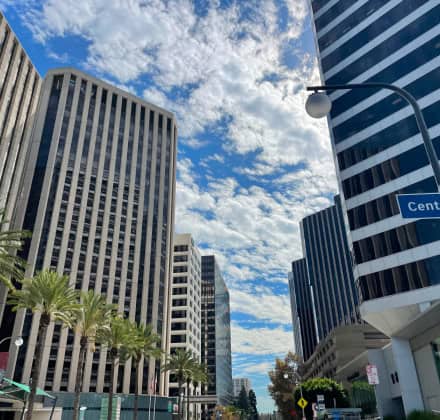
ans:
x=187 y=399
x=79 y=376
x=179 y=398
x=113 y=355
x=136 y=394
x=35 y=377
x=195 y=385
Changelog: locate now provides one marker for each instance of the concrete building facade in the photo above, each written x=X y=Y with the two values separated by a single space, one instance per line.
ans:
x=98 y=195
x=379 y=153
x=185 y=317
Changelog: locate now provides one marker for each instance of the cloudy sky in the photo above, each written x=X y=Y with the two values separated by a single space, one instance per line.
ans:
x=251 y=163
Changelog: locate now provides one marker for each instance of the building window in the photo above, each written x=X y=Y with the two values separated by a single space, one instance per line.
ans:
x=436 y=352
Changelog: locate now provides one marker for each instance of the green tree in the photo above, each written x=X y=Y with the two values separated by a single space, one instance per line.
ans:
x=242 y=402
x=199 y=377
x=253 y=412
x=92 y=318
x=333 y=393
x=362 y=395
x=48 y=295
x=281 y=388
x=11 y=266
x=118 y=338
x=144 y=344
x=181 y=364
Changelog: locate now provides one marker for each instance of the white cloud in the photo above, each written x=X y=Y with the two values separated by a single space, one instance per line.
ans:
x=261 y=341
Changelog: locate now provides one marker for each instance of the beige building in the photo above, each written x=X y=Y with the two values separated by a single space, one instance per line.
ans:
x=339 y=347
x=99 y=198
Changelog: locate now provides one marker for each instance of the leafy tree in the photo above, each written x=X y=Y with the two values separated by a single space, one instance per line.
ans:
x=253 y=412
x=117 y=338
x=144 y=344
x=11 y=266
x=282 y=389
x=49 y=295
x=362 y=395
x=243 y=401
x=199 y=377
x=333 y=393
x=182 y=365
x=92 y=318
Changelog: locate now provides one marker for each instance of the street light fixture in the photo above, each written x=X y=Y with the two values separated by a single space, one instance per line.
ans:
x=297 y=382
x=18 y=341
x=318 y=105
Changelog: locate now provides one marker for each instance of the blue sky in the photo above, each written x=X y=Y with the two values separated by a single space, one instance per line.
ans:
x=251 y=163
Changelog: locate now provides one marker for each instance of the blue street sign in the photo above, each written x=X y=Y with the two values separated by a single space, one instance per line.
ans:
x=419 y=206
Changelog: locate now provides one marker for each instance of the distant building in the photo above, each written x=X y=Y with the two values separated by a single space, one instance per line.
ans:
x=240 y=383
x=98 y=196
x=303 y=317
x=216 y=332
x=329 y=268
x=185 y=318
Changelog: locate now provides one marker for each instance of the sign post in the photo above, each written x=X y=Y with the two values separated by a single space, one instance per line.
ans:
x=419 y=206
x=373 y=376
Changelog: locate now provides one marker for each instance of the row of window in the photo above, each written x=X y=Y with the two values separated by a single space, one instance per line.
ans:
x=400 y=279
x=404 y=237
x=387 y=171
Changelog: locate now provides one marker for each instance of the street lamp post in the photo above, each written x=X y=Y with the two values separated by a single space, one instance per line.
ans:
x=18 y=341
x=318 y=105
x=297 y=382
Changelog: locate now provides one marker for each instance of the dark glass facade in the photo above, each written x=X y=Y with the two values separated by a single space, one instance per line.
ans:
x=216 y=332
x=375 y=136
x=303 y=316
x=329 y=268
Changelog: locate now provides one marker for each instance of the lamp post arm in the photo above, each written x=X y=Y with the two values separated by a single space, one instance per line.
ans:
x=430 y=151
x=4 y=339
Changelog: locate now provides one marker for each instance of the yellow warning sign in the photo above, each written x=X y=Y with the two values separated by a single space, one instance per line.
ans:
x=302 y=402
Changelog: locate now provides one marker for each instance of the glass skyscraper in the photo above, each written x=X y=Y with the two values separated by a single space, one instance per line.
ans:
x=329 y=269
x=98 y=195
x=301 y=304
x=379 y=153
x=216 y=332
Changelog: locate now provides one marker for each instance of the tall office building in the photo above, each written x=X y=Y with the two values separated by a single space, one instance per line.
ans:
x=186 y=291
x=19 y=89
x=379 y=153
x=216 y=332
x=99 y=198
x=303 y=315
x=329 y=268
x=239 y=384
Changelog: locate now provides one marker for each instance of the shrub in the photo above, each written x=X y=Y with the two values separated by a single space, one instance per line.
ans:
x=423 y=415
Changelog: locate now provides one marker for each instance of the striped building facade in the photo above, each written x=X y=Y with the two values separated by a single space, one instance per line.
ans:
x=329 y=269
x=379 y=153
x=99 y=199
x=20 y=85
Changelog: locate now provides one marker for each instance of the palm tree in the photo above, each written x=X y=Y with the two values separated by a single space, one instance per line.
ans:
x=143 y=345
x=118 y=338
x=200 y=377
x=11 y=241
x=49 y=295
x=92 y=318
x=181 y=364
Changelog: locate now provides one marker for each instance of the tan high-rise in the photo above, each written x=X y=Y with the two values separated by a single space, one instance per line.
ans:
x=100 y=190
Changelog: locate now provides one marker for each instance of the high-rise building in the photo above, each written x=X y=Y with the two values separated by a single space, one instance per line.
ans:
x=19 y=91
x=186 y=290
x=379 y=153
x=216 y=332
x=99 y=198
x=329 y=268
x=239 y=384
x=303 y=315
x=20 y=85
